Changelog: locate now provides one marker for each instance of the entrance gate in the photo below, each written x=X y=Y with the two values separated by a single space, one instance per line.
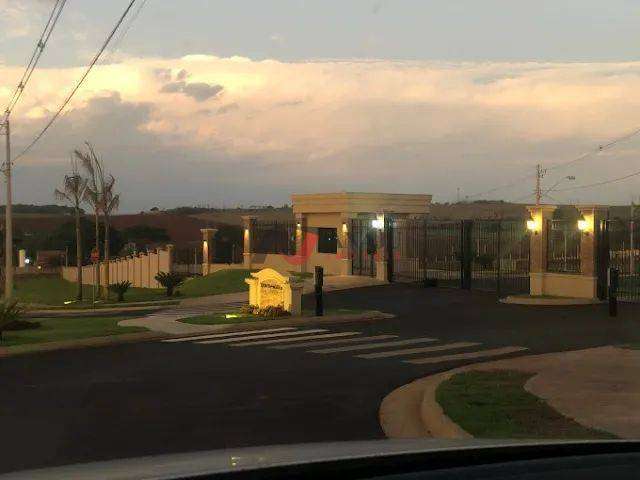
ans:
x=619 y=249
x=362 y=245
x=490 y=255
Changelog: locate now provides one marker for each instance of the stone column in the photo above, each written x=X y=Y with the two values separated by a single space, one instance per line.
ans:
x=301 y=248
x=381 y=253
x=344 y=245
x=208 y=249
x=248 y=222
x=541 y=214
x=592 y=214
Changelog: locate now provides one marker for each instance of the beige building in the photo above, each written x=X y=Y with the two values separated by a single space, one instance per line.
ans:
x=320 y=233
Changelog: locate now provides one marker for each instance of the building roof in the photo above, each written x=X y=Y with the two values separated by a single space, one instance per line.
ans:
x=361 y=202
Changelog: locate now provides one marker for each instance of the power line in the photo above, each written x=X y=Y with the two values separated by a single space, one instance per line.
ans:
x=501 y=187
x=35 y=56
x=77 y=87
x=116 y=43
x=605 y=182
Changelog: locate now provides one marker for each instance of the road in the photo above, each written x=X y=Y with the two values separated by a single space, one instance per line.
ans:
x=160 y=397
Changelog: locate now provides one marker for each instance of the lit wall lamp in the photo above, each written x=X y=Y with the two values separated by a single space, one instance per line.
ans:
x=532 y=225
x=583 y=225
x=377 y=223
x=344 y=227
x=298 y=225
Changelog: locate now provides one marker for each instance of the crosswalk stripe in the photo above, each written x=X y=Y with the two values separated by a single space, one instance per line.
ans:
x=225 y=335
x=463 y=356
x=334 y=342
x=410 y=351
x=295 y=339
x=260 y=337
x=368 y=346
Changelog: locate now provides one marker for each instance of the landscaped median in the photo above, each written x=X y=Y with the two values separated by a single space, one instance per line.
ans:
x=584 y=394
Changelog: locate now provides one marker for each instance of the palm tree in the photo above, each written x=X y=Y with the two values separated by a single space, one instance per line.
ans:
x=110 y=203
x=73 y=191
x=93 y=196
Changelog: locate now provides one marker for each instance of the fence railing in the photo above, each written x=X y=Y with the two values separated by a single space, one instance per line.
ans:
x=563 y=249
x=273 y=237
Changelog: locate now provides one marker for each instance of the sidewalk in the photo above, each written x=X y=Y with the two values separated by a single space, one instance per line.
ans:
x=599 y=388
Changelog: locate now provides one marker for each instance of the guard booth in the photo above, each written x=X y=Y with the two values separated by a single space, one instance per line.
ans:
x=344 y=232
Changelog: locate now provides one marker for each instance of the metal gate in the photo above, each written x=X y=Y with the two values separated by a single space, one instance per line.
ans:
x=618 y=248
x=362 y=238
x=490 y=255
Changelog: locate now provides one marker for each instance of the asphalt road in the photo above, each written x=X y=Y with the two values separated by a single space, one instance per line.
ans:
x=150 y=398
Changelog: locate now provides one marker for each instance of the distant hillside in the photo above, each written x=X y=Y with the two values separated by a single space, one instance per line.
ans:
x=41 y=209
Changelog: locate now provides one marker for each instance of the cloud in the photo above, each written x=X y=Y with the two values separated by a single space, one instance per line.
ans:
x=199 y=91
x=410 y=126
x=19 y=18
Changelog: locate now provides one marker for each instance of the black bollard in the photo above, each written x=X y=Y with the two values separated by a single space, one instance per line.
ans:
x=319 y=281
x=614 y=277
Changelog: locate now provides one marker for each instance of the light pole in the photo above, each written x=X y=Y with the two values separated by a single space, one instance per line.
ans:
x=8 y=217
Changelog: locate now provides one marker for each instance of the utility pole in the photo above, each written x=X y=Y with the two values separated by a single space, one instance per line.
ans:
x=632 y=257
x=8 y=218
x=539 y=174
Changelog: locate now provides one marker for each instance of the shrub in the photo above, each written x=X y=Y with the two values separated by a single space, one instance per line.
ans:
x=170 y=280
x=120 y=289
x=485 y=260
x=10 y=314
x=269 y=312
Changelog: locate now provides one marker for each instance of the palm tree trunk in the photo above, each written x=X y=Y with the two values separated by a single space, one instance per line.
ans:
x=105 y=292
x=78 y=253
x=97 y=279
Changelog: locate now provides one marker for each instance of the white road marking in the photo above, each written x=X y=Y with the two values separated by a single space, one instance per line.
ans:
x=231 y=334
x=295 y=339
x=334 y=342
x=368 y=346
x=463 y=356
x=409 y=351
x=260 y=337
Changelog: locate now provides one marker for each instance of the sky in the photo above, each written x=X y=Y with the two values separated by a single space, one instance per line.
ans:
x=245 y=102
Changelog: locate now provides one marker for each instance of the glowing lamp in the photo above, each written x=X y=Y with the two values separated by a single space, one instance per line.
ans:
x=344 y=227
x=532 y=225
x=378 y=224
x=583 y=224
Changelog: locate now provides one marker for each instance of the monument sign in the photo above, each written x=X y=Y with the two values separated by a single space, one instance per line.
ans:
x=268 y=288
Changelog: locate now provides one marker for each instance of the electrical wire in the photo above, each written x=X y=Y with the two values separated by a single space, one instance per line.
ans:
x=79 y=83
x=598 y=184
x=35 y=56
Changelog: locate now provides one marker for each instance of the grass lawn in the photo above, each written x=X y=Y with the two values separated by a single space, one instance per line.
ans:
x=222 y=281
x=49 y=290
x=495 y=404
x=221 y=318
x=56 y=329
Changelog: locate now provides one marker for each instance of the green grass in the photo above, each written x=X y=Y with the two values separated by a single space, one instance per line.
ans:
x=55 y=291
x=222 y=281
x=494 y=404
x=57 y=329
x=221 y=318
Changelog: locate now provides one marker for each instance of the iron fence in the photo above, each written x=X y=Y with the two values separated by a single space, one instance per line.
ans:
x=563 y=246
x=273 y=237
x=624 y=255
x=362 y=247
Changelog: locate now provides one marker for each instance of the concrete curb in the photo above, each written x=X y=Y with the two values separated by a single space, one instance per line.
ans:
x=94 y=312
x=412 y=411
x=295 y=321
x=91 y=342
x=548 y=301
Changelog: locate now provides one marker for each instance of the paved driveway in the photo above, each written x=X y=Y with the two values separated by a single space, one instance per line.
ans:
x=217 y=392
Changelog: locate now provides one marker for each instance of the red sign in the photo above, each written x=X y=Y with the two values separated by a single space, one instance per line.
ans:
x=95 y=255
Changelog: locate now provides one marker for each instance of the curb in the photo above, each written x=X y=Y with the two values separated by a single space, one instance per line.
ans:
x=412 y=411
x=91 y=342
x=288 y=321
x=548 y=301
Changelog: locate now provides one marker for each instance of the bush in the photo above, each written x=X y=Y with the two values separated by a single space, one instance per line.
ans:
x=170 y=280
x=269 y=312
x=120 y=289
x=10 y=314
x=485 y=260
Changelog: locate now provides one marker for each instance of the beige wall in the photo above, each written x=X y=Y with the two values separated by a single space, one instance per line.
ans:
x=140 y=270
x=563 y=285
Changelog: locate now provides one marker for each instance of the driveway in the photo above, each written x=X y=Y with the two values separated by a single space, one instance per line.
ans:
x=302 y=384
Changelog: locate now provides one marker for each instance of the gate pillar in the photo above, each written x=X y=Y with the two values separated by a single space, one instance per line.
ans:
x=591 y=218
x=382 y=272
x=538 y=250
x=344 y=245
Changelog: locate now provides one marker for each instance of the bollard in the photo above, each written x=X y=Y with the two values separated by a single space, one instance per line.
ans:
x=614 y=277
x=319 y=271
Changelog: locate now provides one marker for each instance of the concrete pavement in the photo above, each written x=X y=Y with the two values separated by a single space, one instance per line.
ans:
x=597 y=387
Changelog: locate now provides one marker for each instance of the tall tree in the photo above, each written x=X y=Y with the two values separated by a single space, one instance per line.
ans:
x=110 y=203
x=73 y=191
x=93 y=196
